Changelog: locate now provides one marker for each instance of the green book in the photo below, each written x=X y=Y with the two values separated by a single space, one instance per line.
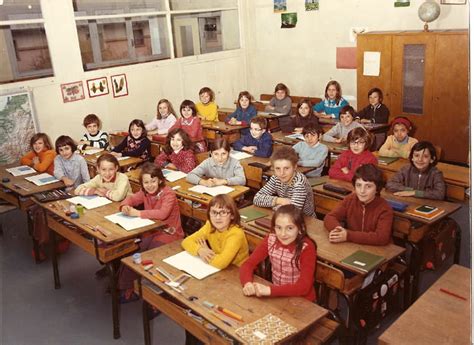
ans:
x=316 y=181
x=387 y=160
x=250 y=213
x=363 y=260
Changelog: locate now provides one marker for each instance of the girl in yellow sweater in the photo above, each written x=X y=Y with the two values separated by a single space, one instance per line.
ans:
x=41 y=156
x=221 y=241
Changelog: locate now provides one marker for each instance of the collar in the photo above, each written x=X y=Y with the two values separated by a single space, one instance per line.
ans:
x=111 y=181
x=292 y=181
x=404 y=141
x=187 y=122
x=377 y=106
x=225 y=165
x=176 y=152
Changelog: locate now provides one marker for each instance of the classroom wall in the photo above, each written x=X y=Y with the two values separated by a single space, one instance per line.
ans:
x=305 y=57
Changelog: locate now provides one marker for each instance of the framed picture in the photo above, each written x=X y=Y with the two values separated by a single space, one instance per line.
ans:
x=72 y=91
x=119 y=85
x=97 y=87
x=453 y=2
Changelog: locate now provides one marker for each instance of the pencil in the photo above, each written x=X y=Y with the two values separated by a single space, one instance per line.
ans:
x=446 y=291
x=230 y=313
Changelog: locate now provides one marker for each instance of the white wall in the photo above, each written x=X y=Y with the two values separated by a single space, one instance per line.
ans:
x=304 y=57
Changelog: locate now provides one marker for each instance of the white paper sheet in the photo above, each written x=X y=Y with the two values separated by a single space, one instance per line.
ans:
x=372 y=64
x=90 y=201
x=42 y=179
x=21 y=170
x=172 y=175
x=297 y=136
x=128 y=223
x=191 y=264
x=92 y=151
x=240 y=155
x=211 y=190
x=122 y=158
x=270 y=113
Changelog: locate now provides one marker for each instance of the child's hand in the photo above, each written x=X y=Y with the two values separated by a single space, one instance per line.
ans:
x=36 y=160
x=67 y=181
x=298 y=130
x=171 y=166
x=249 y=149
x=405 y=193
x=218 y=182
x=339 y=140
x=338 y=234
x=249 y=289
x=262 y=290
x=130 y=211
x=207 y=183
x=101 y=191
x=232 y=121
x=283 y=201
x=205 y=253
x=345 y=170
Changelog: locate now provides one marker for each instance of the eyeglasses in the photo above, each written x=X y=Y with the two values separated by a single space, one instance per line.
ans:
x=358 y=142
x=222 y=213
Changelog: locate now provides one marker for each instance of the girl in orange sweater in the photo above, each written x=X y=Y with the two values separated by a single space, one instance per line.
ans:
x=41 y=156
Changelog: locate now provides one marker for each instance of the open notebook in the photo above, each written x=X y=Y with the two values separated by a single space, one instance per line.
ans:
x=21 y=170
x=191 y=264
x=42 y=179
x=90 y=201
x=213 y=191
x=173 y=175
x=128 y=223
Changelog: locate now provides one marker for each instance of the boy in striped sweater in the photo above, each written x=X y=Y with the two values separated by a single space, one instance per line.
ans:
x=94 y=137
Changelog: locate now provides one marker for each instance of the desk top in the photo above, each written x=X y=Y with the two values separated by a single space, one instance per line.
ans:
x=333 y=253
x=280 y=137
x=371 y=127
x=436 y=317
x=221 y=126
x=449 y=207
x=123 y=163
x=217 y=289
x=26 y=188
x=95 y=217
x=245 y=164
x=183 y=190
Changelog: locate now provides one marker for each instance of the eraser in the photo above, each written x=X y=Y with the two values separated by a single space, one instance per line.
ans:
x=208 y=304
x=147 y=262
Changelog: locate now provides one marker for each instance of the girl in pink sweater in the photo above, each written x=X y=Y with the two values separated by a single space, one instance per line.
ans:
x=358 y=154
x=191 y=124
x=292 y=255
x=177 y=153
x=160 y=203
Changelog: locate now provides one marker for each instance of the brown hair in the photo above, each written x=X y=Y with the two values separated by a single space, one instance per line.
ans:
x=65 y=140
x=154 y=171
x=224 y=201
x=259 y=120
x=107 y=157
x=208 y=91
x=312 y=128
x=421 y=146
x=300 y=103
x=338 y=90
x=281 y=86
x=297 y=217
x=138 y=123
x=42 y=136
x=187 y=143
x=220 y=143
x=360 y=133
x=187 y=104
x=347 y=109
x=284 y=152
x=376 y=90
x=170 y=108
x=91 y=118
x=244 y=94
x=369 y=173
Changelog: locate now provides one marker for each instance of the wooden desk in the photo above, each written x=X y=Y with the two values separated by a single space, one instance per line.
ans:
x=107 y=249
x=281 y=137
x=123 y=163
x=183 y=194
x=374 y=128
x=436 y=317
x=455 y=176
x=21 y=197
x=219 y=129
x=216 y=289
x=273 y=122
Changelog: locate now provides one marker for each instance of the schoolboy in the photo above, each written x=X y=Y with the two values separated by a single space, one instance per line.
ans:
x=94 y=136
x=258 y=141
x=367 y=216
x=311 y=152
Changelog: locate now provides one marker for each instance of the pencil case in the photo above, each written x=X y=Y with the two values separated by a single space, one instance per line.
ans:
x=398 y=205
x=264 y=223
x=52 y=195
x=336 y=189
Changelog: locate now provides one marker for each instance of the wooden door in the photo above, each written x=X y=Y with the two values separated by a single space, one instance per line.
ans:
x=374 y=43
x=450 y=96
x=413 y=62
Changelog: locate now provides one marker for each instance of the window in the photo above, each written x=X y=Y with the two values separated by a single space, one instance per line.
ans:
x=117 y=33
x=24 y=48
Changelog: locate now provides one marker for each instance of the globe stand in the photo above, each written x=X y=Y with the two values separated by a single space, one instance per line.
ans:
x=425 y=27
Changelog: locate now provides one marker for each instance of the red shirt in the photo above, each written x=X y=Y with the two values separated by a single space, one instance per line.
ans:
x=184 y=160
x=351 y=161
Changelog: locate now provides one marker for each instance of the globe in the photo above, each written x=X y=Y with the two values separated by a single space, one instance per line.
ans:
x=429 y=11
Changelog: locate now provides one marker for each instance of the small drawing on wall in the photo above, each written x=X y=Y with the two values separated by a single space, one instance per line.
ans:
x=97 y=87
x=401 y=3
x=453 y=2
x=72 y=91
x=279 y=6
x=119 y=85
x=289 y=20
x=311 y=5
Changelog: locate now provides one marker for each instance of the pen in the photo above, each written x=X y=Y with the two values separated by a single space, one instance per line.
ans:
x=446 y=291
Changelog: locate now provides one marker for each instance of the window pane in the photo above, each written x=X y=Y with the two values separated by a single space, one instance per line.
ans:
x=20 y=9
x=177 y=5
x=112 y=42
x=203 y=33
x=24 y=53
x=413 y=78
x=91 y=7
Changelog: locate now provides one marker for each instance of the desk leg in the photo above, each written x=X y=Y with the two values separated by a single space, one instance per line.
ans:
x=414 y=271
x=146 y=323
x=112 y=268
x=54 y=260
x=457 y=245
x=30 y=232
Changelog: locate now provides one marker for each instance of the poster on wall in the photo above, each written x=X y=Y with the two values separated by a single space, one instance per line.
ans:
x=119 y=85
x=17 y=125
x=279 y=6
x=311 y=5
x=371 y=64
x=346 y=57
x=401 y=3
x=72 y=91
x=97 y=87
x=289 y=20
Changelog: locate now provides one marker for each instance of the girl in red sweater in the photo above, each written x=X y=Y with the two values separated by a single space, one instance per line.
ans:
x=292 y=255
x=160 y=203
x=191 y=124
x=358 y=154
x=41 y=157
x=177 y=153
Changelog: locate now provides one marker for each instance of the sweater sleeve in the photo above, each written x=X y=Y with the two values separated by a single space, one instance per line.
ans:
x=233 y=243
x=249 y=115
x=167 y=124
x=436 y=191
x=238 y=176
x=248 y=267
x=152 y=125
x=46 y=160
x=265 y=146
x=144 y=146
x=266 y=196
x=187 y=161
x=232 y=115
x=161 y=160
x=397 y=182
x=337 y=216
x=120 y=147
x=84 y=170
x=103 y=141
x=133 y=200
x=364 y=113
x=239 y=144
x=300 y=196
x=190 y=244
x=59 y=171
x=198 y=172
x=381 y=236
x=177 y=124
x=386 y=149
x=88 y=187
x=306 y=280
x=330 y=136
x=122 y=188
x=28 y=158
x=319 y=107
x=335 y=171
x=167 y=205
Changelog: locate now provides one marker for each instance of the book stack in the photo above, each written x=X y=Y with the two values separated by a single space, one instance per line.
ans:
x=425 y=212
